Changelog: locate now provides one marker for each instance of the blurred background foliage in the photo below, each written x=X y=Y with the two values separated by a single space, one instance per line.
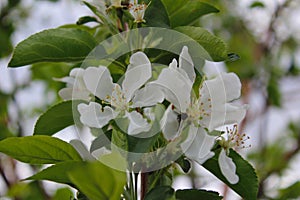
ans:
x=265 y=35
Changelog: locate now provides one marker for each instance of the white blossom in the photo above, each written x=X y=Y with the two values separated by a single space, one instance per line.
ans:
x=199 y=115
x=120 y=100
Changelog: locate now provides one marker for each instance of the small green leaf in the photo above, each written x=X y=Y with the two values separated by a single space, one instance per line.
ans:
x=57 y=118
x=182 y=12
x=156 y=15
x=98 y=181
x=161 y=193
x=53 y=45
x=215 y=48
x=247 y=187
x=194 y=194
x=57 y=173
x=86 y=19
x=257 y=4
x=39 y=149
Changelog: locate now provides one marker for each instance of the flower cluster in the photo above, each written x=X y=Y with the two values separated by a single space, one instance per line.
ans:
x=195 y=115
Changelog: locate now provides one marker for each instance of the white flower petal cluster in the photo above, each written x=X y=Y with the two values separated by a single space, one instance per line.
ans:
x=120 y=100
x=200 y=115
x=189 y=116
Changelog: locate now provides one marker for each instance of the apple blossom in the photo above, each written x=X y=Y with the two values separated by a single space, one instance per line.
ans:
x=120 y=100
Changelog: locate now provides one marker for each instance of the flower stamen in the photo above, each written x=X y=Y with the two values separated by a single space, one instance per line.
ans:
x=234 y=139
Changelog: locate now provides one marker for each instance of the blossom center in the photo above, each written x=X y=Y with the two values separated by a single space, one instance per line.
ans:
x=197 y=110
x=138 y=11
x=118 y=99
x=234 y=139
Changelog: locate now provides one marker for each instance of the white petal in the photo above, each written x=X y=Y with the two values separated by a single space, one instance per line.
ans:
x=82 y=150
x=92 y=115
x=137 y=124
x=67 y=79
x=170 y=124
x=137 y=74
x=228 y=168
x=71 y=93
x=186 y=63
x=98 y=81
x=218 y=93
x=176 y=87
x=77 y=72
x=76 y=88
x=173 y=64
x=65 y=93
x=150 y=95
x=198 y=145
x=224 y=88
x=235 y=114
x=220 y=116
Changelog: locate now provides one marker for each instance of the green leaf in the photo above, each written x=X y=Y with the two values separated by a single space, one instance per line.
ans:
x=53 y=45
x=215 y=48
x=63 y=194
x=161 y=193
x=247 y=187
x=39 y=149
x=98 y=181
x=194 y=194
x=182 y=12
x=57 y=173
x=57 y=118
x=156 y=15
x=291 y=192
